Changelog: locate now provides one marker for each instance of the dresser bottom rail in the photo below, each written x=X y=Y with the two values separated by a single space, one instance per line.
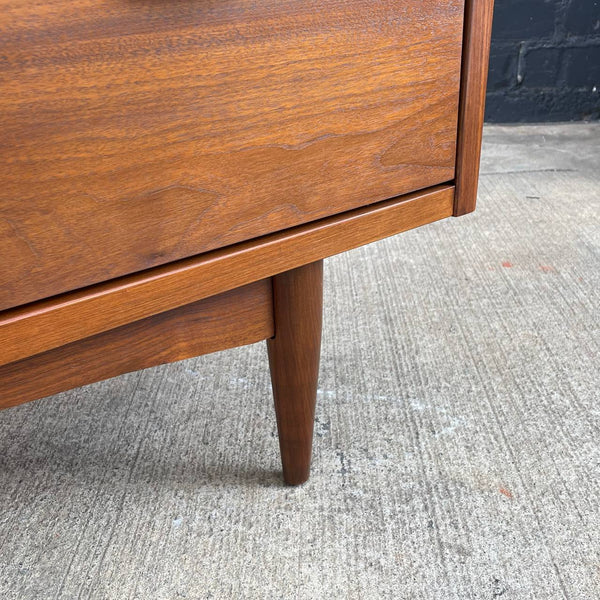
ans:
x=48 y=324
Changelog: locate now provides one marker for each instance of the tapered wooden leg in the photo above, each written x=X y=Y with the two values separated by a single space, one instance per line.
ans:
x=294 y=355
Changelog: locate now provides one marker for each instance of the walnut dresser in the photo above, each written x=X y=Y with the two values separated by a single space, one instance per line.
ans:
x=174 y=172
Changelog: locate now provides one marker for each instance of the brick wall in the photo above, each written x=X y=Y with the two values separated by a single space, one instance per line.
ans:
x=544 y=61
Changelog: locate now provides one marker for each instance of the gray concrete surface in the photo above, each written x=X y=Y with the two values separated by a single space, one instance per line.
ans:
x=457 y=447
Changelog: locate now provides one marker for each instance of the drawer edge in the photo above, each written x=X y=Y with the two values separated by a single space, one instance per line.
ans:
x=47 y=324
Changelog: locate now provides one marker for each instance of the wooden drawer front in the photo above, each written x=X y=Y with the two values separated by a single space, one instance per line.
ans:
x=136 y=132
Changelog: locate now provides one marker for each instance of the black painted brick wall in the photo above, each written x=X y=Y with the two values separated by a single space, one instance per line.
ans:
x=544 y=61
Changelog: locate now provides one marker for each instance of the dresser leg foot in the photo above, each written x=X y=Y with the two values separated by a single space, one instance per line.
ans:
x=294 y=355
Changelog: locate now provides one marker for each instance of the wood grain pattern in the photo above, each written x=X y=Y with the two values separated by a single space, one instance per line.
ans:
x=139 y=132
x=294 y=354
x=478 y=31
x=51 y=323
x=235 y=318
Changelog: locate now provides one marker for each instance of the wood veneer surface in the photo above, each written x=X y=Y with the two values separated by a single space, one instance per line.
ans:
x=47 y=324
x=138 y=132
x=234 y=318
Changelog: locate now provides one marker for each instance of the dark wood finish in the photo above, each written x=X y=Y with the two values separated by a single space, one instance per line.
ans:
x=48 y=324
x=478 y=31
x=136 y=133
x=241 y=316
x=294 y=355
x=162 y=161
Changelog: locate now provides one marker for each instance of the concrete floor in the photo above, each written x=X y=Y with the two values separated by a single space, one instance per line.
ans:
x=457 y=447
